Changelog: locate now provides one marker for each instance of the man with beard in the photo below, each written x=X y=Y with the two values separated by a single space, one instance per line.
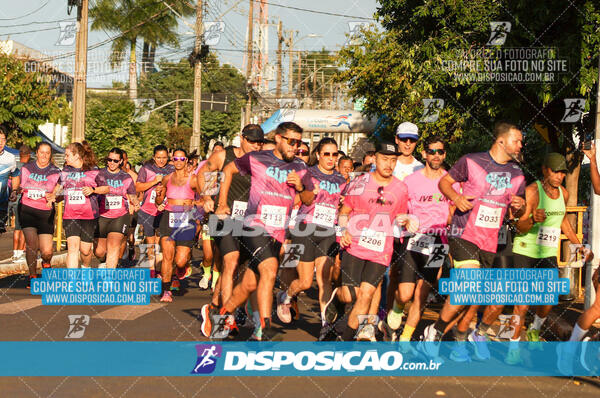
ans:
x=421 y=255
x=492 y=184
x=276 y=177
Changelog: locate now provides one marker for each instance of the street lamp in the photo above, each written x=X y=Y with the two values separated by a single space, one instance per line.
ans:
x=290 y=43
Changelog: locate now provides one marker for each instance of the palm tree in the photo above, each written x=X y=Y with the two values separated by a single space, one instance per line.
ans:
x=150 y=20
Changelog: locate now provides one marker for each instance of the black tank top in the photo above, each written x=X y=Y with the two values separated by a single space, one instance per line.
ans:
x=240 y=185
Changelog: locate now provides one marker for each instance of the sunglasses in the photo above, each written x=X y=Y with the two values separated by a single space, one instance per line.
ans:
x=113 y=160
x=434 y=151
x=407 y=139
x=292 y=141
x=334 y=154
x=179 y=159
x=302 y=152
x=380 y=199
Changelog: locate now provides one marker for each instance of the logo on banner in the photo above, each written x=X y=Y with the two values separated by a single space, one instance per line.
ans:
x=574 y=108
x=77 y=325
x=431 y=109
x=207 y=358
x=499 y=32
x=68 y=30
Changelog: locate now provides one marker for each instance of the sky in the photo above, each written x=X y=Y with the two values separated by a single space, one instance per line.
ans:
x=36 y=24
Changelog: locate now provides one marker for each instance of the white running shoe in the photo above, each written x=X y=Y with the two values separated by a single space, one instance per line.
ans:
x=204 y=282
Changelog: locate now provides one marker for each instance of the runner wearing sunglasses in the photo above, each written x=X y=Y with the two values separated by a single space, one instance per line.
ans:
x=177 y=225
x=251 y=139
x=277 y=176
x=303 y=152
x=315 y=232
x=421 y=255
x=407 y=135
x=115 y=212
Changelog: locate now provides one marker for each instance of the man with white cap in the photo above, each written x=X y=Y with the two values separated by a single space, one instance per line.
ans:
x=407 y=135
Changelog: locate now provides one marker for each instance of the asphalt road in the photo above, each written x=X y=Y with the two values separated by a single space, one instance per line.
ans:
x=23 y=318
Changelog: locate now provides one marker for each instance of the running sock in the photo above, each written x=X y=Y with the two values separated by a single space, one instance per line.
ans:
x=348 y=334
x=460 y=336
x=206 y=271
x=286 y=299
x=440 y=326
x=482 y=328
x=17 y=253
x=398 y=307
x=514 y=344
x=407 y=332
x=537 y=322
x=578 y=333
x=215 y=277
x=256 y=318
x=166 y=286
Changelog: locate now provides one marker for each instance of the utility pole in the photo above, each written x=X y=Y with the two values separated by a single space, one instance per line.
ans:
x=78 y=127
x=594 y=232
x=290 y=43
x=195 y=139
x=299 y=72
x=279 y=56
x=249 y=56
x=177 y=111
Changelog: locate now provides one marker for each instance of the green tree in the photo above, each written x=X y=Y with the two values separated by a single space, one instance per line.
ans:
x=26 y=102
x=397 y=68
x=151 y=20
x=110 y=123
x=176 y=81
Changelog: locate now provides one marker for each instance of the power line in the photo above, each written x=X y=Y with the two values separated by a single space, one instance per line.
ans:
x=38 y=22
x=314 y=11
x=26 y=15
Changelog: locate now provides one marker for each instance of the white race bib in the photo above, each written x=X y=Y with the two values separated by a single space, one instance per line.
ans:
x=488 y=217
x=76 y=197
x=372 y=240
x=421 y=243
x=239 y=209
x=113 y=202
x=273 y=216
x=503 y=235
x=177 y=220
x=548 y=236
x=153 y=196
x=324 y=215
x=437 y=256
x=35 y=194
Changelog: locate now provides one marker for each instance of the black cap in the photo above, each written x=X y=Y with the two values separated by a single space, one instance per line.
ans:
x=254 y=133
x=386 y=148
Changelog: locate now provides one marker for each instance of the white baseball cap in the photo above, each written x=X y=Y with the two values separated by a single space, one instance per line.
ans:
x=407 y=130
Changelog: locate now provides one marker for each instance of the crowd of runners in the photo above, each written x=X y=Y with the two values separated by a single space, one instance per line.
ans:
x=376 y=236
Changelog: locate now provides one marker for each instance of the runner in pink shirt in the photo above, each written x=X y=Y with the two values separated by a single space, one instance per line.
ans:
x=420 y=257
x=148 y=182
x=81 y=184
x=115 y=210
x=373 y=204
x=314 y=232
x=39 y=181
x=492 y=185
x=277 y=176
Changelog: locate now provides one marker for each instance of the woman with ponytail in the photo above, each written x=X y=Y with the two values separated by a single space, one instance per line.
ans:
x=82 y=183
